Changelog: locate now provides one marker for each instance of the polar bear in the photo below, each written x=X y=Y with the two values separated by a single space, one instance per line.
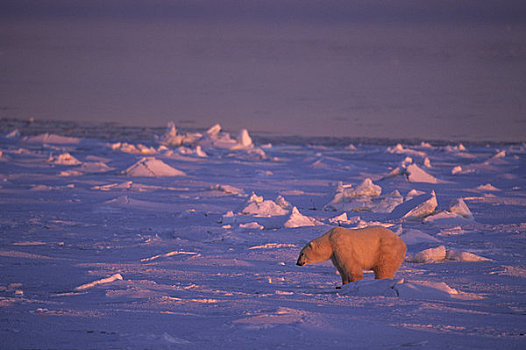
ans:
x=351 y=251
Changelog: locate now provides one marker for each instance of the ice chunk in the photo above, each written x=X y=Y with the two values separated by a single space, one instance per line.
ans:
x=501 y=154
x=430 y=255
x=388 y=202
x=251 y=225
x=413 y=236
x=172 y=138
x=282 y=202
x=256 y=206
x=456 y=170
x=412 y=194
x=416 y=208
x=399 y=149
x=446 y=218
x=367 y=189
x=227 y=189
x=455 y=149
x=133 y=149
x=296 y=219
x=427 y=162
x=400 y=288
x=64 y=159
x=425 y=290
x=110 y=279
x=440 y=253
x=244 y=138
x=51 y=139
x=382 y=287
x=152 y=167
x=349 y=198
x=415 y=174
x=459 y=207
x=214 y=130
x=457 y=255
x=13 y=134
x=487 y=188
x=339 y=219
x=95 y=167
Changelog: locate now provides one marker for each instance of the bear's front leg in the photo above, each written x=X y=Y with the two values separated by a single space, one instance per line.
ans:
x=349 y=270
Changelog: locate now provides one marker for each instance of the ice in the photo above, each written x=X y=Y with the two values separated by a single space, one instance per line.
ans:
x=440 y=254
x=399 y=149
x=227 y=189
x=273 y=246
x=167 y=255
x=388 y=202
x=342 y=219
x=415 y=174
x=459 y=207
x=52 y=139
x=129 y=186
x=256 y=206
x=198 y=151
x=487 y=188
x=133 y=149
x=296 y=219
x=349 y=198
x=416 y=208
x=112 y=278
x=64 y=159
x=446 y=218
x=13 y=134
x=172 y=138
x=419 y=290
x=94 y=167
x=457 y=255
x=429 y=255
x=456 y=170
x=414 y=236
x=214 y=251
x=244 y=138
x=252 y=225
x=152 y=167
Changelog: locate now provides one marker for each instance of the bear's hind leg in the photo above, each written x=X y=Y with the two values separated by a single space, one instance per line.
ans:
x=382 y=273
x=387 y=270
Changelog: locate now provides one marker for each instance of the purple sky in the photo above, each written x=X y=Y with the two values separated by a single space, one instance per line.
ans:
x=426 y=69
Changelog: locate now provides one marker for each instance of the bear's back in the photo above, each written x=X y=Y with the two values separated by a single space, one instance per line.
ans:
x=367 y=234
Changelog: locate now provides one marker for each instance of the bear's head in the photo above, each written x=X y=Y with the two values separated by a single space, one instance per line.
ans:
x=315 y=251
x=305 y=255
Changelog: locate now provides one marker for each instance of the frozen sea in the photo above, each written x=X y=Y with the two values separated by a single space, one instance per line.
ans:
x=175 y=239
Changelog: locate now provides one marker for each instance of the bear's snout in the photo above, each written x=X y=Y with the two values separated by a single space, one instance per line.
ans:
x=301 y=260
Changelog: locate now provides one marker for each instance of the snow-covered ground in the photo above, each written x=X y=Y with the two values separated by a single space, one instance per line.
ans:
x=189 y=240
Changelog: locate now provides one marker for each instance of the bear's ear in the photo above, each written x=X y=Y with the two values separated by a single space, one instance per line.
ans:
x=311 y=245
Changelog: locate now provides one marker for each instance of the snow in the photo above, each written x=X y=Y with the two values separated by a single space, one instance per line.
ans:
x=404 y=289
x=106 y=248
